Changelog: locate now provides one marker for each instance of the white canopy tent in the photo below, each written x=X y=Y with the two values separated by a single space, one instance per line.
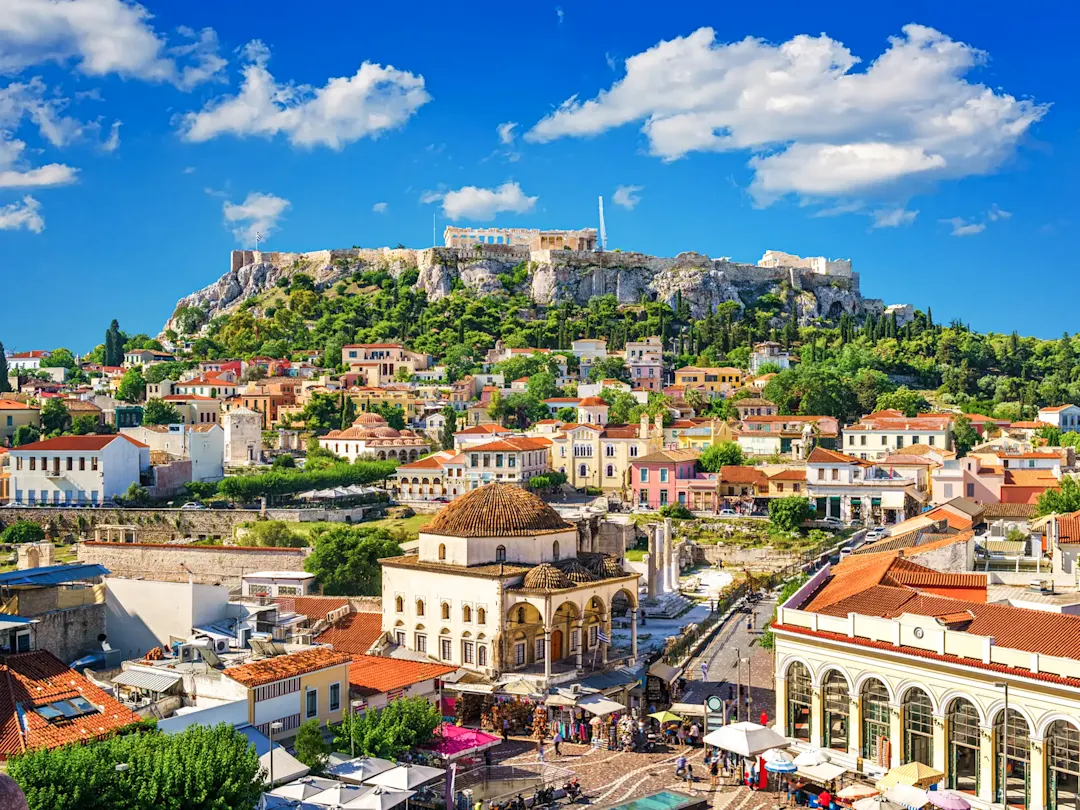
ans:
x=746 y=739
x=406 y=777
x=600 y=706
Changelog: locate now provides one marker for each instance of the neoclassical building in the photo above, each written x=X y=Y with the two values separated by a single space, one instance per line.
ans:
x=498 y=586
x=371 y=436
x=883 y=662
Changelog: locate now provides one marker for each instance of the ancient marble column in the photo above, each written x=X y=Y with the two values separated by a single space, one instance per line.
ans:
x=652 y=572
x=672 y=564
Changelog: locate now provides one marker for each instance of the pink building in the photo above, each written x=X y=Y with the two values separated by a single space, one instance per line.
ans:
x=967 y=478
x=671 y=476
x=647 y=376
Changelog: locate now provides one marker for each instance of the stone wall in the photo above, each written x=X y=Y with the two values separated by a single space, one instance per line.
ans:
x=756 y=558
x=72 y=633
x=211 y=565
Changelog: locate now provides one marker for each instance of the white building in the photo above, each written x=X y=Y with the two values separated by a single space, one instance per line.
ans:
x=370 y=436
x=243 y=437
x=203 y=445
x=816 y=264
x=498 y=587
x=588 y=351
x=886 y=432
x=76 y=469
x=277 y=583
x=858 y=491
x=768 y=353
x=1064 y=417
x=27 y=361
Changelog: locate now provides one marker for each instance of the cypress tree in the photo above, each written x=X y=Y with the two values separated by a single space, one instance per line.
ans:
x=4 y=387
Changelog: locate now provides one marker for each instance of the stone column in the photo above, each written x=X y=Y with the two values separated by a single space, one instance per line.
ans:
x=1037 y=769
x=671 y=581
x=633 y=633
x=896 y=733
x=579 y=626
x=547 y=653
x=661 y=559
x=987 y=776
x=653 y=568
x=855 y=726
x=781 y=704
x=605 y=627
x=817 y=718
x=940 y=744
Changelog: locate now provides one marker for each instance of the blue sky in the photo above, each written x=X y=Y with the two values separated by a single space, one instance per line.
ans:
x=935 y=145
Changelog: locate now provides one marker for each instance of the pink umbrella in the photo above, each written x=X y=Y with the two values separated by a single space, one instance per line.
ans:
x=947 y=800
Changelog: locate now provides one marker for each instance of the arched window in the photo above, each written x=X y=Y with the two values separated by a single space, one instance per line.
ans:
x=837 y=708
x=521 y=615
x=442 y=551
x=963 y=732
x=798 y=695
x=500 y=554
x=446 y=610
x=1063 y=765
x=555 y=550
x=610 y=471
x=918 y=728
x=399 y=604
x=582 y=470
x=875 y=716
x=481 y=616
x=466 y=613
x=481 y=655
x=1012 y=750
x=419 y=607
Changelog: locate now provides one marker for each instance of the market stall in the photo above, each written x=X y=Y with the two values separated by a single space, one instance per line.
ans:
x=453 y=743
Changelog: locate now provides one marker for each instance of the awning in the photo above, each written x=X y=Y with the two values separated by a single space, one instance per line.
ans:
x=600 y=706
x=696 y=709
x=559 y=700
x=664 y=672
x=141 y=679
x=15 y=622
x=1006 y=546
x=822 y=774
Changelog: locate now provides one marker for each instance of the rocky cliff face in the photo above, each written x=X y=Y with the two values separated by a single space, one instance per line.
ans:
x=554 y=276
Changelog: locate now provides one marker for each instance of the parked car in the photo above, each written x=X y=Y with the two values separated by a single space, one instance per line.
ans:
x=192 y=505
x=833 y=521
x=876 y=534
x=727 y=513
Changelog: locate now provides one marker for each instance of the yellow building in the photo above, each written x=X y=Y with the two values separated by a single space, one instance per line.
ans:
x=700 y=435
x=721 y=380
x=366 y=398
x=599 y=456
x=13 y=414
x=312 y=684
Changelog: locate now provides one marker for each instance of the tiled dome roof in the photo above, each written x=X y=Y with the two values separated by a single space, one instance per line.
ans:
x=603 y=566
x=384 y=432
x=577 y=573
x=368 y=418
x=497 y=510
x=546 y=576
x=592 y=402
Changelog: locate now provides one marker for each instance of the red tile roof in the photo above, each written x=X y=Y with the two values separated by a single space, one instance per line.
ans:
x=497 y=510
x=314 y=607
x=372 y=675
x=292 y=665
x=743 y=475
x=86 y=444
x=510 y=445
x=354 y=633
x=592 y=402
x=188 y=398
x=477 y=430
x=15 y=405
x=789 y=475
x=34 y=679
x=822 y=455
x=1068 y=527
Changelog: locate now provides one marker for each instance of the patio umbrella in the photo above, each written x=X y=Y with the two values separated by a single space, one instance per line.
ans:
x=339 y=794
x=746 y=739
x=380 y=798
x=914 y=773
x=666 y=717
x=877 y=803
x=359 y=769
x=303 y=788
x=406 y=777
x=947 y=800
x=907 y=795
x=857 y=791
x=811 y=757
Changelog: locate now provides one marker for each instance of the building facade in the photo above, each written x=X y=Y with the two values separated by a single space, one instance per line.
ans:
x=84 y=470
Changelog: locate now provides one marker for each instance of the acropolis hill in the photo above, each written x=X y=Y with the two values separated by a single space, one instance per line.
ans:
x=822 y=288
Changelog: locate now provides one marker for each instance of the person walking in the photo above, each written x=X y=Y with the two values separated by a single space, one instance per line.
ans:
x=557 y=739
x=506 y=728
x=540 y=750
x=690 y=775
x=680 y=765
x=714 y=774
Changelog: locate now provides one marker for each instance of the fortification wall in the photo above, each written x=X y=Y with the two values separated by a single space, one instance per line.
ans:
x=209 y=565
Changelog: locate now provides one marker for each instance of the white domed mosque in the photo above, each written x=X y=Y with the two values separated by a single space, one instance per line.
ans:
x=498 y=586
x=371 y=436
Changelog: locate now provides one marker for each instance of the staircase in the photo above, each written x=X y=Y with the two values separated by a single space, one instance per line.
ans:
x=668 y=606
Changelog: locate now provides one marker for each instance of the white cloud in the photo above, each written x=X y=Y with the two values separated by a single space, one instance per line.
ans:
x=814 y=125
x=101 y=37
x=380 y=207
x=31 y=99
x=206 y=63
x=893 y=217
x=995 y=213
x=611 y=63
x=25 y=214
x=560 y=14
x=113 y=141
x=961 y=227
x=471 y=202
x=627 y=196
x=373 y=100
x=189 y=170
x=258 y=213
x=14 y=172
x=506 y=132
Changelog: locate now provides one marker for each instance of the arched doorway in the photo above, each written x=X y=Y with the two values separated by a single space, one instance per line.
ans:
x=556 y=644
x=918 y=727
x=875 y=720
x=962 y=719
x=836 y=700
x=1012 y=751
x=1062 y=766
x=798 y=700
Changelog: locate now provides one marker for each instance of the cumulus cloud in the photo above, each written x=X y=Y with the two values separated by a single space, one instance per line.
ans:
x=961 y=227
x=112 y=143
x=506 y=132
x=893 y=217
x=380 y=207
x=373 y=100
x=814 y=125
x=482 y=204
x=23 y=214
x=102 y=37
x=16 y=173
x=560 y=14
x=627 y=196
x=257 y=214
x=32 y=100
x=995 y=213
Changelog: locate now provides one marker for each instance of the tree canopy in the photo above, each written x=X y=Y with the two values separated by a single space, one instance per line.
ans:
x=390 y=732
x=345 y=559
x=159 y=412
x=721 y=454
x=787 y=514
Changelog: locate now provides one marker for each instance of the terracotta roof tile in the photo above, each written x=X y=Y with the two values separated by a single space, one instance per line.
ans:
x=743 y=475
x=314 y=607
x=795 y=474
x=372 y=675
x=268 y=670
x=822 y=455
x=497 y=510
x=514 y=444
x=354 y=633
x=1013 y=510
x=86 y=444
x=667 y=456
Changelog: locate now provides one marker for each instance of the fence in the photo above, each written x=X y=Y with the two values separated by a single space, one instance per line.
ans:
x=495 y=783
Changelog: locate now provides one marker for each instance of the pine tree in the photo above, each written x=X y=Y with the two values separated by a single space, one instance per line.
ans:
x=348 y=412
x=446 y=435
x=4 y=387
x=929 y=318
x=114 y=345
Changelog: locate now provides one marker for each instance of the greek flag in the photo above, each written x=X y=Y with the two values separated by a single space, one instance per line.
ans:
x=604 y=637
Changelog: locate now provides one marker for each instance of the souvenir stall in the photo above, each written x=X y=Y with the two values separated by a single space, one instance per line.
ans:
x=567 y=718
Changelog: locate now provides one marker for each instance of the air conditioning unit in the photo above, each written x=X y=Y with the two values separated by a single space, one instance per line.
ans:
x=1039 y=585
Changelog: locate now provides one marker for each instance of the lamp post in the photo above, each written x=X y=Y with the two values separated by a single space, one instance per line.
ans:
x=1004 y=745
x=275 y=726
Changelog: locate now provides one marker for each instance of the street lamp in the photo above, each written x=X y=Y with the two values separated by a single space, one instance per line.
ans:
x=1004 y=745
x=275 y=726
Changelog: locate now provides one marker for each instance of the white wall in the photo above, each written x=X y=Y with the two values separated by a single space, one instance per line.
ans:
x=235 y=713
x=141 y=614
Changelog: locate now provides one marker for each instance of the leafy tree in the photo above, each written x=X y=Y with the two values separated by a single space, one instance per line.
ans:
x=202 y=768
x=787 y=514
x=284 y=462
x=525 y=409
x=322 y=413
x=310 y=747
x=253 y=374
x=391 y=732
x=393 y=414
x=135 y=495
x=568 y=414
x=768 y=640
x=5 y=386
x=247 y=488
x=132 y=386
x=61 y=358
x=114 y=345
x=345 y=559
x=25 y=434
x=903 y=399
x=159 y=412
x=348 y=412
x=542 y=385
x=964 y=435
x=201 y=489
x=676 y=510
x=274 y=534
x=189 y=320
x=1050 y=434
x=54 y=417
x=83 y=424
x=446 y=435
x=722 y=454
x=548 y=481
x=1060 y=501
x=608 y=368
x=22 y=531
